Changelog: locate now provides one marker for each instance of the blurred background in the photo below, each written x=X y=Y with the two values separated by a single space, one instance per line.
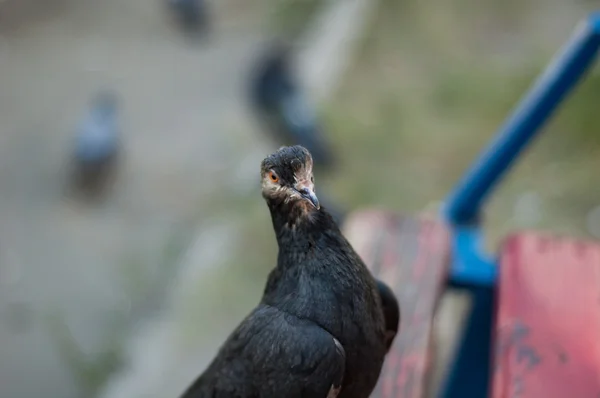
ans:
x=133 y=236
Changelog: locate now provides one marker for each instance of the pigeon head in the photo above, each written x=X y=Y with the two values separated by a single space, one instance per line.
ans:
x=287 y=178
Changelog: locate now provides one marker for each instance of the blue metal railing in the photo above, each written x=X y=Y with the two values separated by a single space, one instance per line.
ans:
x=471 y=266
x=555 y=83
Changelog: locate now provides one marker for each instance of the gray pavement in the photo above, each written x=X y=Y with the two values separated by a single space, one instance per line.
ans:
x=90 y=266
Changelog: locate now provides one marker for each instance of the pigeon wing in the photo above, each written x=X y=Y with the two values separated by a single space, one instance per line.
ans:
x=274 y=354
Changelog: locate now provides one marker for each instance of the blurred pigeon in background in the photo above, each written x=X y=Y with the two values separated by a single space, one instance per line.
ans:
x=97 y=144
x=192 y=15
x=276 y=94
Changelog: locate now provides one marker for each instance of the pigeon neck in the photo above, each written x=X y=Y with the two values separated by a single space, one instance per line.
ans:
x=294 y=224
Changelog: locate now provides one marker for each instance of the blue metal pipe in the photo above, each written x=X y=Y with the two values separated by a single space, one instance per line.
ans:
x=559 y=78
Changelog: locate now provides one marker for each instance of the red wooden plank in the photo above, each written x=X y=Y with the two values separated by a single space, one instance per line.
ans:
x=548 y=320
x=410 y=255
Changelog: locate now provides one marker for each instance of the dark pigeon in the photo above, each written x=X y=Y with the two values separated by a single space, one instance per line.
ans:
x=97 y=144
x=319 y=329
x=277 y=95
x=192 y=15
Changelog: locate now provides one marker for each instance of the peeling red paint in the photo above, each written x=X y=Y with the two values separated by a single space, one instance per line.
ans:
x=411 y=255
x=548 y=319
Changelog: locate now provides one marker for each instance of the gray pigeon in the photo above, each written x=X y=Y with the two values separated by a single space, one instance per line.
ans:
x=97 y=144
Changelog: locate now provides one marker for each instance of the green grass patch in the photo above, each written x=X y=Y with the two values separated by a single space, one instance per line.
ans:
x=289 y=17
x=420 y=104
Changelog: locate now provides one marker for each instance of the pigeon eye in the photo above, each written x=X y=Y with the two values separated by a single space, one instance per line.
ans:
x=273 y=176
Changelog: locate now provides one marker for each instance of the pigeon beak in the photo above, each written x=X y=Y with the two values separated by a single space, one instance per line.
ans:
x=308 y=194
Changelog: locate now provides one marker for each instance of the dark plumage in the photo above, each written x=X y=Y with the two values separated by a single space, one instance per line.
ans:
x=276 y=93
x=97 y=144
x=319 y=330
x=391 y=312
x=192 y=15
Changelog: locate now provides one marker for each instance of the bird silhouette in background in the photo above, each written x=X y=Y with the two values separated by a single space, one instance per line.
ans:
x=97 y=145
x=276 y=94
x=319 y=329
x=192 y=15
x=280 y=101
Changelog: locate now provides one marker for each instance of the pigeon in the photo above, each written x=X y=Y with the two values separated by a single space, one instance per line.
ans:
x=97 y=144
x=277 y=95
x=191 y=14
x=319 y=329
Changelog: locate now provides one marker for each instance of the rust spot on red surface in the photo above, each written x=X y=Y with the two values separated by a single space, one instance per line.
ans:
x=548 y=319
x=411 y=255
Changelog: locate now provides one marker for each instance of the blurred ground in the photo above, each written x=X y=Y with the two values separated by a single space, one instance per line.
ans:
x=76 y=273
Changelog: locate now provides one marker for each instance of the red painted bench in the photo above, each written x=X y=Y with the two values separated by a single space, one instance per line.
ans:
x=411 y=255
x=547 y=333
